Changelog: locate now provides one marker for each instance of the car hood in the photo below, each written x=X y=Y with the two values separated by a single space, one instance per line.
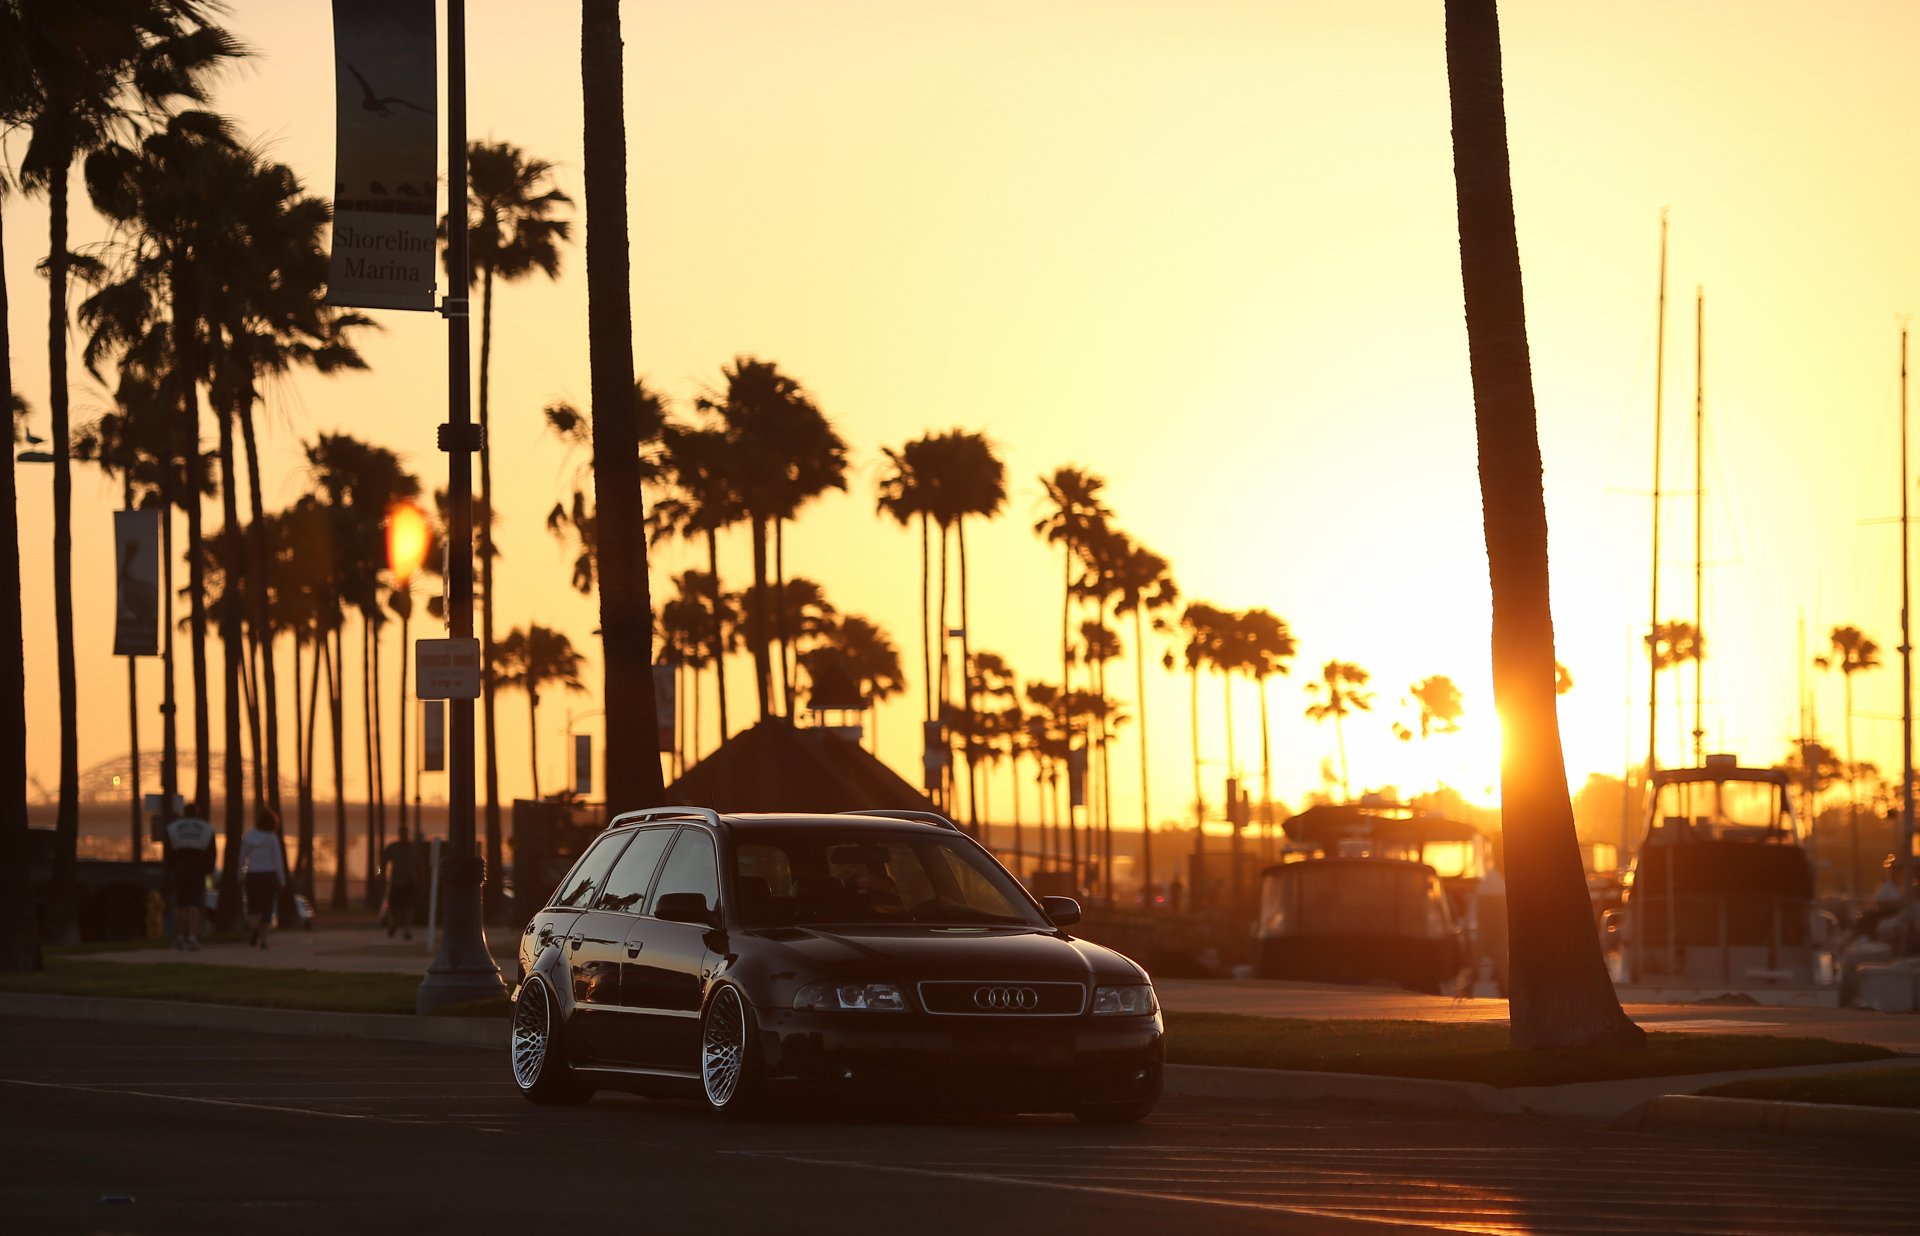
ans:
x=917 y=953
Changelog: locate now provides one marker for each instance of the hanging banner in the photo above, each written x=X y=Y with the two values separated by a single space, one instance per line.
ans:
x=583 y=764
x=1077 y=776
x=433 y=736
x=136 y=556
x=385 y=154
x=663 y=701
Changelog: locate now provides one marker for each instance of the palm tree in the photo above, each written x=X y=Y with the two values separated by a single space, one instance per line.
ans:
x=1269 y=648
x=1440 y=705
x=79 y=73
x=1139 y=582
x=782 y=452
x=965 y=478
x=703 y=499
x=530 y=661
x=1099 y=645
x=1340 y=683
x=1852 y=653
x=512 y=234
x=870 y=659
x=626 y=604
x=1203 y=625
x=1561 y=996
x=906 y=493
x=1074 y=513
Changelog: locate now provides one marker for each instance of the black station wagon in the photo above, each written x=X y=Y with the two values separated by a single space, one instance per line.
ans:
x=875 y=957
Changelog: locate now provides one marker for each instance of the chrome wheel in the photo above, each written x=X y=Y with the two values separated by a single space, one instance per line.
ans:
x=532 y=1032
x=723 y=1047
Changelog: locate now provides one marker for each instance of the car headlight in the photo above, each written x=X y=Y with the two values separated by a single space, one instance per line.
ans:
x=836 y=996
x=1121 y=1001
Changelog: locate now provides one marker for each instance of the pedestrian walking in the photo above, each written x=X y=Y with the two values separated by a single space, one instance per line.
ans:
x=263 y=870
x=190 y=854
x=402 y=862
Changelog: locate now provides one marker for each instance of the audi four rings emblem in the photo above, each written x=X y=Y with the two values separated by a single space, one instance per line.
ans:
x=1024 y=998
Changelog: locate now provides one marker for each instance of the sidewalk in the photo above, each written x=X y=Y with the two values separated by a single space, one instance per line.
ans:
x=359 y=950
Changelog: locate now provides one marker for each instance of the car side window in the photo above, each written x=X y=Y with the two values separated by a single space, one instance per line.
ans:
x=691 y=868
x=626 y=885
x=577 y=889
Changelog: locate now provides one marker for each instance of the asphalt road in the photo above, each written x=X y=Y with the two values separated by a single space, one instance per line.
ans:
x=108 y=1128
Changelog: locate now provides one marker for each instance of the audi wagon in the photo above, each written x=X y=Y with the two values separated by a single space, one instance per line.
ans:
x=879 y=957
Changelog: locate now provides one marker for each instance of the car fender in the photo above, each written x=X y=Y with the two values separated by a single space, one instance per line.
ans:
x=551 y=966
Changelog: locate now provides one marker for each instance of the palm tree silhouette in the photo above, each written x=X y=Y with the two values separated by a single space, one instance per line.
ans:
x=782 y=452
x=1269 y=645
x=702 y=499
x=1137 y=582
x=1674 y=644
x=906 y=493
x=1339 y=693
x=870 y=658
x=530 y=661
x=1561 y=996
x=1852 y=653
x=967 y=478
x=512 y=234
x=1074 y=513
x=19 y=940
x=626 y=602
x=79 y=76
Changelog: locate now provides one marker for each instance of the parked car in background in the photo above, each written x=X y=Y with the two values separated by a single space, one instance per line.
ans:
x=880 y=957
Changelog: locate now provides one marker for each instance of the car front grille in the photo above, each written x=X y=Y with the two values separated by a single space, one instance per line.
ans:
x=1003 y=998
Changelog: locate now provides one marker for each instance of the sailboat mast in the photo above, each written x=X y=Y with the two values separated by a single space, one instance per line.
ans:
x=1902 y=870
x=1653 y=626
x=1699 y=508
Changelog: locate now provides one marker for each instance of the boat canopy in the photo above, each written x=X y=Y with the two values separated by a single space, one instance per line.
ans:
x=1453 y=849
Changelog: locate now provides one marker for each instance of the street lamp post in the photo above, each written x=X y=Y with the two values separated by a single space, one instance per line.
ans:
x=462 y=970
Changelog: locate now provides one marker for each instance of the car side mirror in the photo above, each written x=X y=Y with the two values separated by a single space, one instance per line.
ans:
x=685 y=908
x=1063 y=911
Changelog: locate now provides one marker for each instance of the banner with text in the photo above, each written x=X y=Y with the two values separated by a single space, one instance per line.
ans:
x=663 y=702
x=385 y=154
x=136 y=556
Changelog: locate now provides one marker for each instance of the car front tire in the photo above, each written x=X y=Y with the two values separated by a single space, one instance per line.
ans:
x=537 y=1052
x=729 y=1065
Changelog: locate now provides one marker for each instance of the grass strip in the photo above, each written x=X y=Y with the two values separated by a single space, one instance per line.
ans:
x=326 y=991
x=1871 y=1088
x=1475 y=1051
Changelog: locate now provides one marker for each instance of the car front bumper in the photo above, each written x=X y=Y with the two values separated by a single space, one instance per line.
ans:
x=1001 y=1063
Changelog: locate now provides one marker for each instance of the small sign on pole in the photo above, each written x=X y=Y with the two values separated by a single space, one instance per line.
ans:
x=447 y=669
x=583 y=764
x=433 y=736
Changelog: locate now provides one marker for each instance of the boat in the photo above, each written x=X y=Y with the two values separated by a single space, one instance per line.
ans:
x=1371 y=893
x=1720 y=902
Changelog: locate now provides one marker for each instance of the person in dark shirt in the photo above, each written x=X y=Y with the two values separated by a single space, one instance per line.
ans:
x=402 y=863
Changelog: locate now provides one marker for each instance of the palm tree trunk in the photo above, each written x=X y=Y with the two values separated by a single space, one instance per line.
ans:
x=309 y=821
x=1561 y=996
x=490 y=895
x=1853 y=794
x=946 y=683
x=232 y=646
x=1193 y=724
x=370 y=868
x=757 y=618
x=197 y=626
x=336 y=659
x=966 y=680
x=19 y=945
x=626 y=606
x=379 y=764
x=63 y=896
x=780 y=613
x=262 y=615
x=1146 y=810
x=719 y=630
x=1266 y=773
x=926 y=629
x=533 y=738
x=1340 y=738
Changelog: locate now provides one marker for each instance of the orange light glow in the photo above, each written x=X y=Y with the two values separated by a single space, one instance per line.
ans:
x=409 y=537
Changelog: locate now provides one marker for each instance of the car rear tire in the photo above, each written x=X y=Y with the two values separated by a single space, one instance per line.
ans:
x=729 y=1064
x=536 y=1052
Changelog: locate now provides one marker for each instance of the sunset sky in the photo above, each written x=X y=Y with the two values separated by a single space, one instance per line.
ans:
x=1207 y=251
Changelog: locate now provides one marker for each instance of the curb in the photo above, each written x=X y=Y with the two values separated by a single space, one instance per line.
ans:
x=1693 y=1111
x=393 y=1027
x=1194 y=1081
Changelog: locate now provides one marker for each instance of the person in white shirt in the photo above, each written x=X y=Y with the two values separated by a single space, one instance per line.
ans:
x=264 y=870
x=190 y=853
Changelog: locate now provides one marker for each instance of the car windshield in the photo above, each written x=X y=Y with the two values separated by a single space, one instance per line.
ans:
x=784 y=877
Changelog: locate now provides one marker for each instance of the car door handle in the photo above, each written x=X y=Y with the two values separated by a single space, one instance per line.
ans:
x=633 y=950
x=574 y=942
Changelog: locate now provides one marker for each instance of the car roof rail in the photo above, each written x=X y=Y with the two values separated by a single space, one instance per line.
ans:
x=706 y=814
x=924 y=817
